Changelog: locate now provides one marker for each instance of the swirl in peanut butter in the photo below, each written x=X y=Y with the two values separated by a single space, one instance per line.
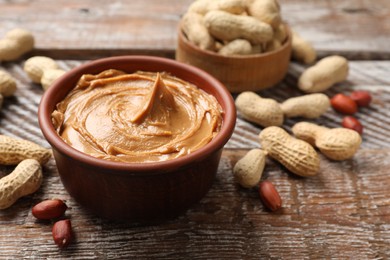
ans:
x=139 y=117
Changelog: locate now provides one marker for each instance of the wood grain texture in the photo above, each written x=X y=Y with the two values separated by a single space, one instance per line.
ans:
x=343 y=213
x=96 y=28
x=358 y=29
x=363 y=75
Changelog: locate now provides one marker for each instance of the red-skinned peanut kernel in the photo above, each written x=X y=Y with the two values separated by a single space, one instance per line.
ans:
x=49 y=209
x=352 y=123
x=343 y=104
x=361 y=97
x=269 y=196
x=62 y=233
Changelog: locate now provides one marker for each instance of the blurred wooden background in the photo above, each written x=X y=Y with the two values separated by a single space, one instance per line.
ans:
x=92 y=28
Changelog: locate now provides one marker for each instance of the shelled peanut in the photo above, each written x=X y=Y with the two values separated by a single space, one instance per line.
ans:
x=353 y=123
x=49 y=209
x=62 y=233
x=270 y=196
x=361 y=97
x=344 y=104
x=54 y=209
x=42 y=70
x=235 y=27
x=349 y=105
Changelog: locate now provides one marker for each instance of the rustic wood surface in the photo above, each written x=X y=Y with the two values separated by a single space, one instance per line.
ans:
x=95 y=28
x=342 y=213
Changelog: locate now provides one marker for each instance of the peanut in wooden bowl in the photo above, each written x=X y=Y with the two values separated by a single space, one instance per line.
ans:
x=238 y=73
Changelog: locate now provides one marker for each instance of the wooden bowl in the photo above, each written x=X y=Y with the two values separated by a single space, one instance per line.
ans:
x=137 y=191
x=238 y=73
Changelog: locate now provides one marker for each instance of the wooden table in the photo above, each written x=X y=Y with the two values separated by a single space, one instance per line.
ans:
x=344 y=212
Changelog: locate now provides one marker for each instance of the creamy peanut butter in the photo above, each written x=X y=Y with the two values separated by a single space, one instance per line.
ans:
x=139 y=117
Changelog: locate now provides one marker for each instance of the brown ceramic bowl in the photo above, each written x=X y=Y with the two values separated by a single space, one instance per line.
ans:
x=137 y=191
x=238 y=73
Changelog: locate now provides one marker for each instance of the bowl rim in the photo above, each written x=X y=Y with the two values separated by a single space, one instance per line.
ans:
x=149 y=168
x=192 y=46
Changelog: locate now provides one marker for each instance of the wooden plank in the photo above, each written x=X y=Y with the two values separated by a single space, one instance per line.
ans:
x=354 y=28
x=96 y=28
x=89 y=29
x=342 y=213
x=366 y=75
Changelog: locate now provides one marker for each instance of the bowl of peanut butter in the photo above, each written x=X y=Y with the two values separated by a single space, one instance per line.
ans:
x=137 y=138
